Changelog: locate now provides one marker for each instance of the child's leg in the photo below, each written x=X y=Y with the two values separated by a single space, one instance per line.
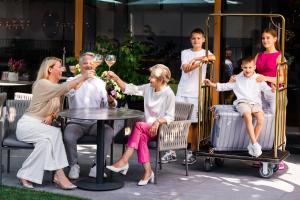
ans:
x=250 y=129
x=259 y=123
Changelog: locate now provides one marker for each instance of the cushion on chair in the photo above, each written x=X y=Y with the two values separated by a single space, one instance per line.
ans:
x=11 y=141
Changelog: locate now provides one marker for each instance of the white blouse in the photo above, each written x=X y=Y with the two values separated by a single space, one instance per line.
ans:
x=157 y=105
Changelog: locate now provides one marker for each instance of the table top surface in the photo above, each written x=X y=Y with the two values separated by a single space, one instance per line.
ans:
x=101 y=113
x=15 y=83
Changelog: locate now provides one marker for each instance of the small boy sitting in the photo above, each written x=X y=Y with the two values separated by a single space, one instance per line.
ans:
x=248 y=102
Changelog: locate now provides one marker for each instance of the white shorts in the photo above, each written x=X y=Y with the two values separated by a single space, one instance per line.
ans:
x=194 y=101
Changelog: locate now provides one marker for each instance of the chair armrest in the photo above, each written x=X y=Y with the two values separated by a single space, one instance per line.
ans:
x=173 y=135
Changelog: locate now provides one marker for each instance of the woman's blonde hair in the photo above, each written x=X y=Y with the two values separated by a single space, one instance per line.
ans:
x=47 y=63
x=161 y=72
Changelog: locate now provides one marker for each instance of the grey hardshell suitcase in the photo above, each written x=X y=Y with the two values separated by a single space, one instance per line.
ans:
x=229 y=130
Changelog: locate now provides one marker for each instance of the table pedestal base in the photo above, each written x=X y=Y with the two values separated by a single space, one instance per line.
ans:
x=90 y=184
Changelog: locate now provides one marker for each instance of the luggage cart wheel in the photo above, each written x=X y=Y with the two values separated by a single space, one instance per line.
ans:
x=275 y=167
x=266 y=170
x=208 y=164
x=219 y=162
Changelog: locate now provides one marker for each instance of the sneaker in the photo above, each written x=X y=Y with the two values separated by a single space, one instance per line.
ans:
x=191 y=158
x=93 y=172
x=74 y=171
x=170 y=156
x=256 y=150
x=281 y=165
x=250 y=149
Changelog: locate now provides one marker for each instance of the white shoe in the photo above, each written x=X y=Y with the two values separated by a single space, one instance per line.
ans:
x=191 y=158
x=145 y=182
x=250 y=149
x=93 y=172
x=74 y=171
x=256 y=150
x=123 y=170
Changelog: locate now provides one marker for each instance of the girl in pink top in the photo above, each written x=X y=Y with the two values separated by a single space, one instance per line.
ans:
x=266 y=65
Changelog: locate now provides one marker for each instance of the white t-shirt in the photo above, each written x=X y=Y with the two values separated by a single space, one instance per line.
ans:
x=157 y=105
x=188 y=84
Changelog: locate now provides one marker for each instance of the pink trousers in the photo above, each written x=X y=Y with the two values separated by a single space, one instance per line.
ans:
x=139 y=139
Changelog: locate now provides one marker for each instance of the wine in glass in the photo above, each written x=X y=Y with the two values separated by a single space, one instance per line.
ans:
x=97 y=60
x=110 y=61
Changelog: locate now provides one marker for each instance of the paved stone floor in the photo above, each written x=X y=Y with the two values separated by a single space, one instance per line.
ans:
x=235 y=180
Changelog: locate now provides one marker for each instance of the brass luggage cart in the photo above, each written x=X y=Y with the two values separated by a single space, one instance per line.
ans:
x=269 y=159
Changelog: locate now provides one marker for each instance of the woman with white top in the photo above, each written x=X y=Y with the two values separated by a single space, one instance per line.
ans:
x=159 y=108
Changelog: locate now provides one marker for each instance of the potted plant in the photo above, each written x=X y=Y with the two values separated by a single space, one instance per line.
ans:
x=128 y=66
x=14 y=67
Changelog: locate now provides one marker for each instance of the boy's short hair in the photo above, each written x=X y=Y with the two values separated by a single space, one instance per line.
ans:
x=247 y=59
x=197 y=30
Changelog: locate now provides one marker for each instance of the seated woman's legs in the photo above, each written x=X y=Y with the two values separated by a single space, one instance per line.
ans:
x=48 y=154
x=138 y=140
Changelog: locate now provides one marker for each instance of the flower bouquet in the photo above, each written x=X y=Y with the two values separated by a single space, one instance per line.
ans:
x=112 y=87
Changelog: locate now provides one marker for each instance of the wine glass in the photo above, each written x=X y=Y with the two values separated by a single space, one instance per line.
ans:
x=110 y=61
x=97 y=60
x=72 y=69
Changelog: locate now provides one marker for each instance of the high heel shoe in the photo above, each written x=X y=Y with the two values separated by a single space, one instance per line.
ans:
x=68 y=187
x=145 y=182
x=26 y=184
x=123 y=170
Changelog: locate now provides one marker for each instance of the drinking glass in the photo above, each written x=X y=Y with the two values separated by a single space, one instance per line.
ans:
x=97 y=60
x=110 y=61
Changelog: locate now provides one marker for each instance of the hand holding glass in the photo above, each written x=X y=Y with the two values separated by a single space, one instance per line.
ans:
x=110 y=61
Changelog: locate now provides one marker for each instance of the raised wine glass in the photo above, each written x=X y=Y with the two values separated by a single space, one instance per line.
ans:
x=97 y=60
x=110 y=61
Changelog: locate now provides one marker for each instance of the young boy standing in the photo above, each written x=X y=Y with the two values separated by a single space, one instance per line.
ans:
x=187 y=91
x=248 y=102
